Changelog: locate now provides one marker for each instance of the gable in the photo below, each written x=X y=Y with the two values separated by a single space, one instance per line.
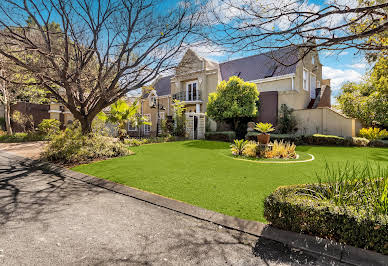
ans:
x=190 y=62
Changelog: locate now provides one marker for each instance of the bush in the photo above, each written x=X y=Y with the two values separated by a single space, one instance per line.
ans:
x=49 y=127
x=354 y=141
x=138 y=142
x=373 y=133
x=318 y=139
x=283 y=150
x=297 y=139
x=71 y=146
x=350 y=207
x=227 y=136
x=378 y=143
x=250 y=149
x=22 y=137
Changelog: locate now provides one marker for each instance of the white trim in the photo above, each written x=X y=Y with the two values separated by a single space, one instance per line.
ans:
x=147 y=126
x=307 y=79
x=293 y=83
x=131 y=130
x=192 y=89
x=55 y=111
x=67 y=112
x=288 y=76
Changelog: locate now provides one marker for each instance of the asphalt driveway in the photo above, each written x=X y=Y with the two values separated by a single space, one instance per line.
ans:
x=48 y=219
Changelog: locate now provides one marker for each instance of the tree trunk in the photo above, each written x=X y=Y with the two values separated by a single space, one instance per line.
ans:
x=7 y=110
x=86 y=125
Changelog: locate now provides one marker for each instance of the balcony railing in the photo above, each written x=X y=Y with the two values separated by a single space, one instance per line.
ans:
x=188 y=97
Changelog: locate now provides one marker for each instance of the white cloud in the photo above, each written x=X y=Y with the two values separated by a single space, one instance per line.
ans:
x=340 y=76
x=361 y=66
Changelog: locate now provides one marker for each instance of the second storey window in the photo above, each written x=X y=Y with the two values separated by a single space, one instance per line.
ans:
x=305 y=79
x=191 y=91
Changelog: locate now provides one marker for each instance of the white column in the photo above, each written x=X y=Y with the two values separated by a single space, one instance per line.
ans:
x=197 y=108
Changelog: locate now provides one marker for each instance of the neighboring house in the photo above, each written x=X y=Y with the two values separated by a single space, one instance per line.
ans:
x=278 y=78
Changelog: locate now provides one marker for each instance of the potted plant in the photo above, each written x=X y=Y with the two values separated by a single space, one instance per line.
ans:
x=264 y=128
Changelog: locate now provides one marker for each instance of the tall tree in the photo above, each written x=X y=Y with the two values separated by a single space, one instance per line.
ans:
x=368 y=100
x=102 y=49
x=251 y=25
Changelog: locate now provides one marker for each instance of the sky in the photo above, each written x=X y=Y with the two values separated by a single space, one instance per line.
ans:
x=339 y=66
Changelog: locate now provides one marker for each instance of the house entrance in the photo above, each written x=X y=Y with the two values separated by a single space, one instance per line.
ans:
x=195 y=125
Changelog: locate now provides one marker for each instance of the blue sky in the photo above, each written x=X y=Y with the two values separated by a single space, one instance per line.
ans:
x=339 y=66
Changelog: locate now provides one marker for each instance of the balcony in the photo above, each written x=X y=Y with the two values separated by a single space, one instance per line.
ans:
x=184 y=96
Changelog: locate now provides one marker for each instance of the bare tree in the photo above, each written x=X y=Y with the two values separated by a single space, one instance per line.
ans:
x=98 y=51
x=250 y=25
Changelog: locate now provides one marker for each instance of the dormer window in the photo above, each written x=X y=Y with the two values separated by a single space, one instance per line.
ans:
x=152 y=99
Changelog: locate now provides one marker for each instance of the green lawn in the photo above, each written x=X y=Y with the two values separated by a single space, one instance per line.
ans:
x=199 y=173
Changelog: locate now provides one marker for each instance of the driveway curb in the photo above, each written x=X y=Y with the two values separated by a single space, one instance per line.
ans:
x=333 y=249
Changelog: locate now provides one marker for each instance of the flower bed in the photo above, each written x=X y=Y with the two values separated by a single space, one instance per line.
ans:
x=275 y=150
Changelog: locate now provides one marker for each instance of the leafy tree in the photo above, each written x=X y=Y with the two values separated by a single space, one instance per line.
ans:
x=179 y=118
x=233 y=102
x=102 y=49
x=368 y=100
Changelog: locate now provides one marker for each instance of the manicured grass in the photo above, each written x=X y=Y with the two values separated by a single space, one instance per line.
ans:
x=199 y=173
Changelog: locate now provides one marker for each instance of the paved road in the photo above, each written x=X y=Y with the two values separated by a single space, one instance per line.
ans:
x=47 y=219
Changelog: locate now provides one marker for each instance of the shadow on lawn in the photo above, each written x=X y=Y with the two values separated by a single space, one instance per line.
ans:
x=206 y=144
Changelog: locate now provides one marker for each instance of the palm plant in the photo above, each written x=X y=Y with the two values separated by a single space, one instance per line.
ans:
x=264 y=127
x=121 y=114
x=238 y=146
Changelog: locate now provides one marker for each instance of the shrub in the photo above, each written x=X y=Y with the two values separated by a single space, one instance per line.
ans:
x=23 y=120
x=355 y=141
x=227 y=136
x=22 y=137
x=2 y=133
x=286 y=122
x=71 y=146
x=350 y=206
x=378 y=143
x=138 y=142
x=238 y=146
x=318 y=139
x=284 y=150
x=373 y=133
x=250 y=149
x=49 y=127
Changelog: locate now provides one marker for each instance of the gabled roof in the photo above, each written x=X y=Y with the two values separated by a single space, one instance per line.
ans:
x=270 y=64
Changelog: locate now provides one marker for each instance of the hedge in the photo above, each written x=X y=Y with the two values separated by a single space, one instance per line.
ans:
x=228 y=136
x=286 y=210
x=318 y=139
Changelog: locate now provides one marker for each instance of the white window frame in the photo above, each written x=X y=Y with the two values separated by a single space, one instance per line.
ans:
x=147 y=128
x=313 y=91
x=318 y=84
x=305 y=81
x=313 y=60
x=130 y=128
x=192 y=91
x=162 y=115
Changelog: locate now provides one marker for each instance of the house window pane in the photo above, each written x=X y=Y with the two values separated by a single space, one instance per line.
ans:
x=147 y=128
x=194 y=91
x=305 y=80
x=189 y=91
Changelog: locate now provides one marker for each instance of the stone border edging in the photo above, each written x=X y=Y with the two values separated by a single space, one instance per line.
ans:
x=256 y=161
x=329 y=248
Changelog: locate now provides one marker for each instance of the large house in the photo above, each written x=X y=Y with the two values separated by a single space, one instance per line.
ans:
x=278 y=78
